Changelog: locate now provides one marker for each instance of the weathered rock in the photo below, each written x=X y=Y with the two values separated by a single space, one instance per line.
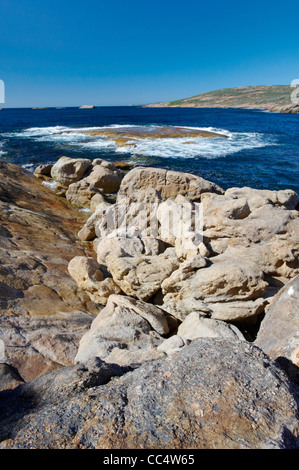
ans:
x=137 y=211
x=38 y=238
x=126 y=331
x=172 y=344
x=88 y=231
x=9 y=377
x=195 y=326
x=175 y=218
x=214 y=394
x=80 y=193
x=278 y=258
x=141 y=276
x=97 y=202
x=40 y=300
x=105 y=177
x=213 y=290
x=69 y=170
x=260 y=197
x=39 y=345
x=129 y=243
x=262 y=222
x=278 y=335
x=87 y=273
x=168 y=183
x=43 y=170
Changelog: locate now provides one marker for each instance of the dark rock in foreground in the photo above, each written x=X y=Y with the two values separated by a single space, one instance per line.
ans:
x=214 y=394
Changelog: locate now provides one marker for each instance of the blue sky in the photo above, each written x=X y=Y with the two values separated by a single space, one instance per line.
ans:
x=69 y=53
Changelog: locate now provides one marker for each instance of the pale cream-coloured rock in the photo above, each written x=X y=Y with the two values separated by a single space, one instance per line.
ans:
x=212 y=290
x=80 y=193
x=124 y=324
x=88 y=231
x=168 y=183
x=69 y=170
x=226 y=217
x=185 y=270
x=128 y=244
x=89 y=277
x=175 y=217
x=196 y=326
x=105 y=177
x=137 y=211
x=278 y=258
x=97 y=201
x=172 y=344
x=259 y=197
x=43 y=170
x=190 y=245
x=141 y=276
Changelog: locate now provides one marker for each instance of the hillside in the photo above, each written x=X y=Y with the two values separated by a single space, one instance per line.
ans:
x=271 y=97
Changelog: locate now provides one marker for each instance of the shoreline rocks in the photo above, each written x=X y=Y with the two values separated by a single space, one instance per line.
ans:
x=142 y=301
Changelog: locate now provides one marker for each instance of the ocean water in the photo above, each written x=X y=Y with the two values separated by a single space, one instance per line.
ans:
x=261 y=149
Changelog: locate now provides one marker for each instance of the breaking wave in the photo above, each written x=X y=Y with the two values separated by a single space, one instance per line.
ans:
x=180 y=147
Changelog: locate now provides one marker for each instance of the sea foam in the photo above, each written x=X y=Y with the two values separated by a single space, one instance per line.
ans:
x=181 y=147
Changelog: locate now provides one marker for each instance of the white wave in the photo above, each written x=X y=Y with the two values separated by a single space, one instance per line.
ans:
x=50 y=184
x=186 y=147
x=99 y=144
x=28 y=166
x=197 y=147
x=2 y=152
x=62 y=130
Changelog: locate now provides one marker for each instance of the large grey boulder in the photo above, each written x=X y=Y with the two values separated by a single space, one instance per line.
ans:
x=214 y=394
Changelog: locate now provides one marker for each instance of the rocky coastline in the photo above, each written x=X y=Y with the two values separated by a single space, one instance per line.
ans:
x=274 y=98
x=144 y=308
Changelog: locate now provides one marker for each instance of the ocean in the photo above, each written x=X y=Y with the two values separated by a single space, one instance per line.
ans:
x=261 y=149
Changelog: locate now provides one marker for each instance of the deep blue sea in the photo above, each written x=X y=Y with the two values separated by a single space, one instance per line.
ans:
x=261 y=151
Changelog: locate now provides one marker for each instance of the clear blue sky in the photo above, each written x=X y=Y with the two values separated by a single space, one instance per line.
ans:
x=69 y=53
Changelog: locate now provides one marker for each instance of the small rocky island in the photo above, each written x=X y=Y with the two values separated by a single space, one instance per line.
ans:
x=143 y=308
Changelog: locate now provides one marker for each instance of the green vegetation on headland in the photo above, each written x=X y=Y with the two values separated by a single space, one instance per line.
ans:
x=270 y=97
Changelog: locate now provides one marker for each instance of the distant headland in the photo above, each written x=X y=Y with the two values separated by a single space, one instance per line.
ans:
x=275 y=98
